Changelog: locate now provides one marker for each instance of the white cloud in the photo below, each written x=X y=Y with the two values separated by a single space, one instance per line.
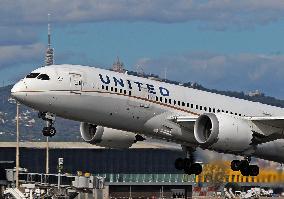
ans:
x=19 y=54
x=219 y=14
x=240 y=72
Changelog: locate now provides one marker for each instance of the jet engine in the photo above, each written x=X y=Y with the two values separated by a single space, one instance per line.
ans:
x=108 y=137
x=223 y=132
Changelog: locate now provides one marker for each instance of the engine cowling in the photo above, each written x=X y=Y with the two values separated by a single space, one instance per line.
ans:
x=223 y=132
x=108 y=137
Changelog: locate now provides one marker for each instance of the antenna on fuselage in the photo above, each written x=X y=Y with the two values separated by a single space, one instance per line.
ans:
x=49 y=54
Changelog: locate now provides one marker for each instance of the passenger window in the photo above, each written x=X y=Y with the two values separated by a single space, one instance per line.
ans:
x=210 y=109
x=43 y=77
x=205 y=109
x=218 y=111
x=32 y=75
x=213 y=110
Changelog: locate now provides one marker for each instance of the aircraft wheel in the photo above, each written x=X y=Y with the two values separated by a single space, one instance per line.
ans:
x=254 y=170
x=235 y=165
x=52 y=131
x=179 y=164
x=196 y=168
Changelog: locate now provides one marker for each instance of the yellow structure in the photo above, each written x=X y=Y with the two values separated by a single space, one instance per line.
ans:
x=223 y=173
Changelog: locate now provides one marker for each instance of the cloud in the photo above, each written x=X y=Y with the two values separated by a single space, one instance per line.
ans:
x=217 y=14
x=20 y=54
x=17 y=36
x=240 y=72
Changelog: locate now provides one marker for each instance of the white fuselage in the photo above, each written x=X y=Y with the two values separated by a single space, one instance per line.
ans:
x=132 y=103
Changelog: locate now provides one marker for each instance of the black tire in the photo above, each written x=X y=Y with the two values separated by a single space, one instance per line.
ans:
x=235 y=165
x=245 y=171
x=179 y=164
x=254 y=170
x=196 y=168
x=188 y=170
x=243 y=164
x=45 y=131
x=52 y=131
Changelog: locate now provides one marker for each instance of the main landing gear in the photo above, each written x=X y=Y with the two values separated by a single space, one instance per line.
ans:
x=245 y=167
x=188 y=164
x=49 y=130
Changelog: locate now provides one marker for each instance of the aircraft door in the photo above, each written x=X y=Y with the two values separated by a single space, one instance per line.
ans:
x=75 y=83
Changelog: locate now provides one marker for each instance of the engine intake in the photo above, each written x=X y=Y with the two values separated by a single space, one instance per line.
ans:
x=223 y=132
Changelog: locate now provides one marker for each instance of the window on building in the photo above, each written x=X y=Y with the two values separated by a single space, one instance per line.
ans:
x=196 y=106
x=175 y=102
x=170 y=101
x=107 y=88
x=191 y=106
x=213 y=110
x=183 y=104
x=200 y=108
x=166 y=100
x=111 y=88
x=179 y=103
x=157 y=99
x=205 y=108
x=161 y=99
x=210 y=109
x=103 y=87
x=129 y=93
x=124 y=91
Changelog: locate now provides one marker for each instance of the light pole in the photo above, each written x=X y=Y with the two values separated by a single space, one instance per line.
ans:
x=17 y=148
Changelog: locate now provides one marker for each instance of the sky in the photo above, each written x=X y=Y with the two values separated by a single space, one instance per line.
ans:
x=221 y=44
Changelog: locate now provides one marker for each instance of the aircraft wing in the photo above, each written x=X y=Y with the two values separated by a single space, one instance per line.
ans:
x=185 y=121
x=277 y=122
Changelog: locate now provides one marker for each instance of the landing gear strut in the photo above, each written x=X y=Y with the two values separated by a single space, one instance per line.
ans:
x=188 y=164
x=49 y=130
x=245 y=167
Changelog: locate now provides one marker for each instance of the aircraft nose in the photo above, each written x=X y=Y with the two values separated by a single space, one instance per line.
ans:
x=17 y=92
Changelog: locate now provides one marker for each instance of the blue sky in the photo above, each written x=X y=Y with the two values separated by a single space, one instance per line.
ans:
x=222 y=44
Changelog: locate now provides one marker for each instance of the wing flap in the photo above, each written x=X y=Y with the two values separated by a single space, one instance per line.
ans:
x=277 y=122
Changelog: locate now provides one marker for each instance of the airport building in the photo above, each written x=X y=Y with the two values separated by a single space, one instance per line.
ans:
x=145 y=170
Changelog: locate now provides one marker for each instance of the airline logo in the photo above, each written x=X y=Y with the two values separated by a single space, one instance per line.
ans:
x=105 y=79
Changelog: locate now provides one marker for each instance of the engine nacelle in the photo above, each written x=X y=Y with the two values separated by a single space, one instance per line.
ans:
x=108 y=137
x=223 y=132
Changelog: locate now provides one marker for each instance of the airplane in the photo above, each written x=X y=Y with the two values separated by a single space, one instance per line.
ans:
x=118 y=109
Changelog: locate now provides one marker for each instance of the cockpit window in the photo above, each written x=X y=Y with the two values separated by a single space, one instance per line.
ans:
x=43 y=77
x=32 y=75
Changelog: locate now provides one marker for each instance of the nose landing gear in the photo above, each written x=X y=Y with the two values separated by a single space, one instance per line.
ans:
x=49 y=130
